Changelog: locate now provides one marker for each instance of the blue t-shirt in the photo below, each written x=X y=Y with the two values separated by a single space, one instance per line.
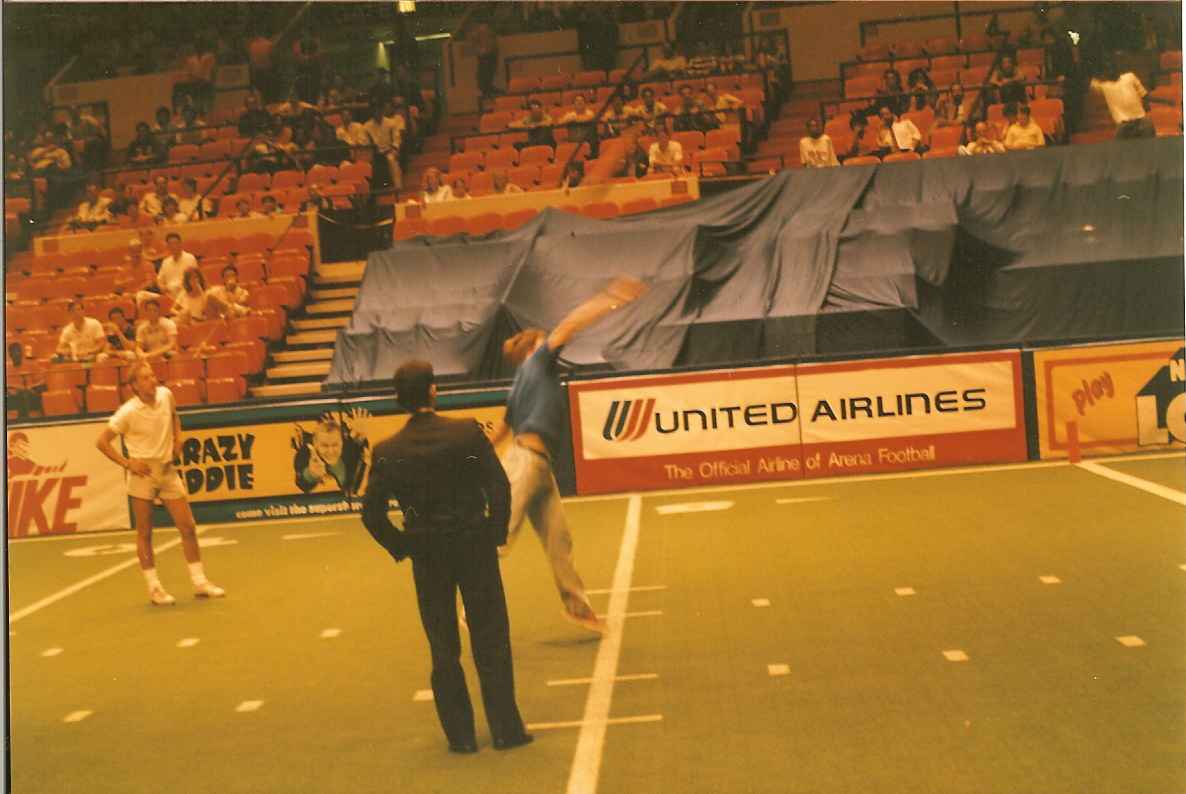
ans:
x=536 y=401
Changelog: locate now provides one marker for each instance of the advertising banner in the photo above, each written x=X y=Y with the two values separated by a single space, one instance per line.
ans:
x=1122 y=398
x=59 y=483
x=790 y=422
x=911 y=413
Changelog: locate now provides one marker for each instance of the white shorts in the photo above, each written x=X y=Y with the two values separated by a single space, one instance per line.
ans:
x=162 y=480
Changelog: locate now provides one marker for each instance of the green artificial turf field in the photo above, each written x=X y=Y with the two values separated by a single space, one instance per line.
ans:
x=780 y=638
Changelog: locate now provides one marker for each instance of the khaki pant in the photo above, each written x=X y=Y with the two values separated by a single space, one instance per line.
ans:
x=163 y=480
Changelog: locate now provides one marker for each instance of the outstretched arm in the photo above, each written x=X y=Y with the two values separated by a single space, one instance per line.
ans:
x=621 y=291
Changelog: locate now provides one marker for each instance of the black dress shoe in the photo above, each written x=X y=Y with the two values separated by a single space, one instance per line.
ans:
x=464 y=747
x=518 y=741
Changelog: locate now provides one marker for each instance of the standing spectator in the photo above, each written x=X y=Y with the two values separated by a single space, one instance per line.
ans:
x=1024 y=133
x=537 y=123
x=94 y=211
x=982 y=142
x=144 y=149
x=173 y=267
x=82 y=339
x=384 y=133
x=306 y=53
x=156 y=336
x=1126 y=98
x=198 y=66
x=264 y=78
x=230 y=293
x=381 y=91
x=486 y=48
x=666 y=155
x=50 y=158
x=1008 y=82
x=815 y=148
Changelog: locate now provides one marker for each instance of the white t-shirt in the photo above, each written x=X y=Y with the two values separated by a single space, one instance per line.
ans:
x=672 y=157
x=155 y=336
x=147 y=429
x=817 y=152
x=86 y=342
x=173 y=271
x=1123 y=96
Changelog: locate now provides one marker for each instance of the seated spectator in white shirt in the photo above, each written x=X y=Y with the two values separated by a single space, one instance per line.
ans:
x=95 y=209
x=82 y=339
x=152 y=203
x=581 y=112
x=230 y=293
x=350 y=132
x=1126 y=98
x=666 y=155
x=983 y=142
x=503 y=185
x=197 y=302
x=171 y=213
x=433 y=189
x=173 y=267
x=669 y=65
x=1024 y=133
x=538 y=124
x=815 y=148
x=898 y=135
x=188 y=202
x=243 y=211
x=156 y=336
x=459 y=188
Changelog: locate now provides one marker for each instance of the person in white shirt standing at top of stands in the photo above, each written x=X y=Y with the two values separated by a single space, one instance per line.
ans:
x=173 y=267
x=815 y=148
x=151 y=432
x=1126 y=98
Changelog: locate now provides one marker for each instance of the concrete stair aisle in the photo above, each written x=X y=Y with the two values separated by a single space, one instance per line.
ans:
x=303 y=363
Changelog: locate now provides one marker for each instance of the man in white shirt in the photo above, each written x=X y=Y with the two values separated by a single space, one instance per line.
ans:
x=666 y=155
x=153 y=202
x=1126 y=102
x=187 y=202
x=95 y=209
x=350 y=132
x=173 y=267
x=151 y=431
x=156 y=336
x=230 y=293
x=983 y=143
x=815 y=148
x=385 y=133
x=82 y=339
x=1024 y=133
x=898 y=135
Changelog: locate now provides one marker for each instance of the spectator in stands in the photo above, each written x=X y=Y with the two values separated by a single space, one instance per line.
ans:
x=50 y=158
x=16 y=168
x=231 y=294
x=269 y=207
x=121 y=334
x=649 y=110
x=721 y=101
x=86 y=127
x=537 y=123
x=433 y=190
x=264 y=77
x=254 y=119
x=156 y=336
x=122 y=201
x=152 y=203
x=982 y=142
x=953 y=109
x=1127 y=102
x=616 y=118
x=82 y=339
x=666 y=155
x=922 y=89
x=815 y=148
x=1024 y=133
x=291 y=107
x=351 y=132
x=23 y=382
x=188 y=202
x=671 y=64
x=1008 y=83
x=165 y=128
x=891 y=95
x=579 y=119
x=486 y=48
x=144 y=149
x=502 y=185
x=459 y=188
x=171 y=212
x=192 y=129
x=637 y=161
x=864 y=139
x=306 y=54
x=690 y=116
x=316 y=201
x=173 y=267
x=197 y=303
x=198 y=66
x=703 y=61
x=94 y=211
x=384 y=132
x=243 y=210
x=898 y=135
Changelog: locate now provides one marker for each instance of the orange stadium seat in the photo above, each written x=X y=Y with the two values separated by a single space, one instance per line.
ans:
x=550 y=81
x=106 y=375
x=564 y=151
x=901 y=157
x=535 y=155
x=446 y=226
x=227 y=365
x=636 y=206
x=521 y=85
x=550 y=176
x=940 y=152
x=511 y=138
x=283 y=180
x=525 y=176
x=946 y=136
x=186 y=392
x=502 y=158
x=481 y=183
x=66 y=376
x=183 y=153
x=480 y=143
x=603 y=210
x=593 y=77
x=870 y=160
x=408 y=228
x=508 y=104
x=485 y=223
x=466 y=161
x=225 y=390
x=321 y=175
x=102 y=399
x=513 y=220
x=1170 y=59
x=60 y=402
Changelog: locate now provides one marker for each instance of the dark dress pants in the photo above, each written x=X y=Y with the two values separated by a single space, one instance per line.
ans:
x=468 y=562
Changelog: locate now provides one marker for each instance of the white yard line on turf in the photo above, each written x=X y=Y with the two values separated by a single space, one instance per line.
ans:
x=1136 y=482
x=551 y=726
x=580 y=681
x=87 y=582
x=586 y=762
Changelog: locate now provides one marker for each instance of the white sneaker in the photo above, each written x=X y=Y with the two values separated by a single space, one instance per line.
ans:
x=208 y=590
x=159 y=598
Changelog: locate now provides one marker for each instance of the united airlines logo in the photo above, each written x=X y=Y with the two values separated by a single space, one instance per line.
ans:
x=628 y=420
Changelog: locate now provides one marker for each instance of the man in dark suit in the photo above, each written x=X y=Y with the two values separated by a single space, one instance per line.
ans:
x=456 y=503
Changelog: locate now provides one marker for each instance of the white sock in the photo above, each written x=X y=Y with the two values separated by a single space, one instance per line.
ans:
x=151 y=579
x=196 y=573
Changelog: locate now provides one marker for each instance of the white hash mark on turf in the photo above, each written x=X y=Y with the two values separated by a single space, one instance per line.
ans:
x=249 y=705
x=693 y=507
x=422 y=696
x=188 y=642
x=579 y=681
x=955 y=656
x=791 y=500
x=551 y=726
x=51 y=652
x=760 y=602
x=904 y=591
x=778 y=669
x=330 y=633
x=307 y=535
x=1130 y=641
x=77 y=716
x=1049 y=580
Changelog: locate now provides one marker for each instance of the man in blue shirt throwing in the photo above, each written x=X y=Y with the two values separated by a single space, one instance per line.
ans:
x=535 y=415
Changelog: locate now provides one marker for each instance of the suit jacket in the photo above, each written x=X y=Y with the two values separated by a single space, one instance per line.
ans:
x=447 y=480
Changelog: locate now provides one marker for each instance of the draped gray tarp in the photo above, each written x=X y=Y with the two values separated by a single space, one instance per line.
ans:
x=1069 y=242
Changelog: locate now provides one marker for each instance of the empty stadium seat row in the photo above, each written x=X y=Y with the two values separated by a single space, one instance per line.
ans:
x=140 y=179
x=106 y=399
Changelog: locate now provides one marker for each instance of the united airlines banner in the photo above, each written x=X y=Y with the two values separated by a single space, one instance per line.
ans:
x=59 y=483
x=790 y=422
